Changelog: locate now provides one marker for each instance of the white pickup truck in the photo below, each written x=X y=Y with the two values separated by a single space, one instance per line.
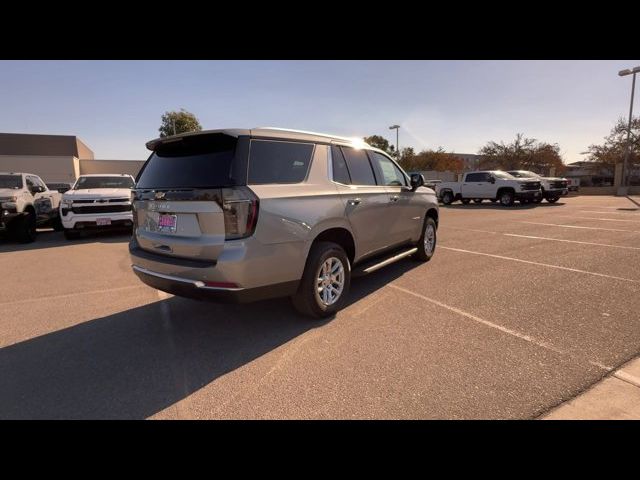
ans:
x=552 y=187
x=27 y=203
x=494 y=185
x=97 y=201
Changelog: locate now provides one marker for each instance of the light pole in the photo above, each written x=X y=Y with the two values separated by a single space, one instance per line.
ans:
x=397 y=129
x=622 y=73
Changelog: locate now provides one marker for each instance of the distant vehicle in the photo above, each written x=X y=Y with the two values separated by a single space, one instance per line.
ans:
x=494 y=185
x=96 y=202
x=60 y=187
x=552 y=187
x=573 y=184
x=27 y=203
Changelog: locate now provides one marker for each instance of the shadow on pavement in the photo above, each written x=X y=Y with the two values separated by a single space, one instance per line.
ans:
x=138 y=362
x=50 y=238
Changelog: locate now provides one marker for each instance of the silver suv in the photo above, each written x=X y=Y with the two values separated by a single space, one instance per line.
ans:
x=243 y=215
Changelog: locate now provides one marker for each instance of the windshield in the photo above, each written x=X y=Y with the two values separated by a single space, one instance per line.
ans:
x=11 y=181
x=503 y=175
x=524 y=174
x=103 y=182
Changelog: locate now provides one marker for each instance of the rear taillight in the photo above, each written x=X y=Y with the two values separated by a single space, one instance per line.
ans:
x=240 y=208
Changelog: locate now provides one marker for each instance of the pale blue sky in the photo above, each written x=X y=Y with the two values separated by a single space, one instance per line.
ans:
x=115 y=106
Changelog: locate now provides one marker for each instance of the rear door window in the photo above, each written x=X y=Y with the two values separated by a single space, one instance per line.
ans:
x=339 y=166
x=273 y=161
x=359 y=167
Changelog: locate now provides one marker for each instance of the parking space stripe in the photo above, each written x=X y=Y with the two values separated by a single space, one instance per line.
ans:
x=508 y=331
x=571 y=241
x=581 y=227
x=542 y=264
x=533 y=237
x=611 y=213
x=604 y=219
x=68 y=295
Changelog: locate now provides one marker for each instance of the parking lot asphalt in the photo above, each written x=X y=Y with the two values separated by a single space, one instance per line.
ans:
x=521 y=309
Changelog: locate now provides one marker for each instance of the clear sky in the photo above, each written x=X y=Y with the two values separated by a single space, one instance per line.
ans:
x=115 y=106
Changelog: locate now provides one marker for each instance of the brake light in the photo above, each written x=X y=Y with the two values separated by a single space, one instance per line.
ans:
x=240 y=209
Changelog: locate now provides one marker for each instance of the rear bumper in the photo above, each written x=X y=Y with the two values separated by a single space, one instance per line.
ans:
x=529 y=195
x=196 y=289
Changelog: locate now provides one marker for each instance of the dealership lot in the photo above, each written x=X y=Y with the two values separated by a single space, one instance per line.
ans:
x=521 y=309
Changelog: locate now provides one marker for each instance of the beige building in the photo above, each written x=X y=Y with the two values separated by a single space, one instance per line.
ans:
x=56 y=158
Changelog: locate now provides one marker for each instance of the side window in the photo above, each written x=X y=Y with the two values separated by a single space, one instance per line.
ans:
x=339 y=166
x=391 y=174
x=271 y=161
x=477 y=177
x=31 y=184
x=359 y=166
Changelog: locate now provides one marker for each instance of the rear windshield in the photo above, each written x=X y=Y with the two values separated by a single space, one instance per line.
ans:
x=200 y=161
x=84 y=183
x=11 y=181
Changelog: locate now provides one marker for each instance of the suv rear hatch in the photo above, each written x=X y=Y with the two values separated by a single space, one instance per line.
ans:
x=191 y=196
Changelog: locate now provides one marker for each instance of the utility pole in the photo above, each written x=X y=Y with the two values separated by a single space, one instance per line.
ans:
x=625 y=173
x=397 y=129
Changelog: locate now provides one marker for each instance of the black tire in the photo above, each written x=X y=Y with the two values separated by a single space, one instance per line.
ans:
x=477 y=200
x=57 y=224
x=447 y=198
x=553 y=199
x=25 y=229
x=71 y=234
x=427 y=249
x=307 y=300
x=507 y=198
x=537 y=200
x=465 y=201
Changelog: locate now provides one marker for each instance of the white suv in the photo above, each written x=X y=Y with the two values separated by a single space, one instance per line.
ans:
x=96 y=202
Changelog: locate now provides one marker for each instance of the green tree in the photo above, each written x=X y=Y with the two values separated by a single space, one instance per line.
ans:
x=380 y=142
x=523 y=153
x=174 y=123
x=438 y=160
x=614 y=148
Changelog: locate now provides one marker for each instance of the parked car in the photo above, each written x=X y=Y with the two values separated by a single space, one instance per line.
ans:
x=98 y=201
x=552 y=187
x=573 y=184
x=27 y=203
x=243 y=215
x=494 y=185
x=60 y=187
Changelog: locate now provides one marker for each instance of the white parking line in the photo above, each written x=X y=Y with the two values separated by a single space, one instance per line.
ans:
x=68 y=295
x=611 y=213
x=581 y=227
x=542 y=264
x=604 y=219
x=533 y=237
x=508 y=331
x=571 y=241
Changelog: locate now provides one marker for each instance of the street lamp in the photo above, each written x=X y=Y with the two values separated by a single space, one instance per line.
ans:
x=397 y=129
x=623 y=73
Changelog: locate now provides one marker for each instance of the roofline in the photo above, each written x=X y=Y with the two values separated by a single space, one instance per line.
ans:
x=267 y=132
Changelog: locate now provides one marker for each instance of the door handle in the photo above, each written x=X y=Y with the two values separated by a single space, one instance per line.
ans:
x=394 y=198
x=354 y=201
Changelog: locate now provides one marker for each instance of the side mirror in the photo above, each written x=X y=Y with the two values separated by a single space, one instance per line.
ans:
x=417 y=180
x=492 y=179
